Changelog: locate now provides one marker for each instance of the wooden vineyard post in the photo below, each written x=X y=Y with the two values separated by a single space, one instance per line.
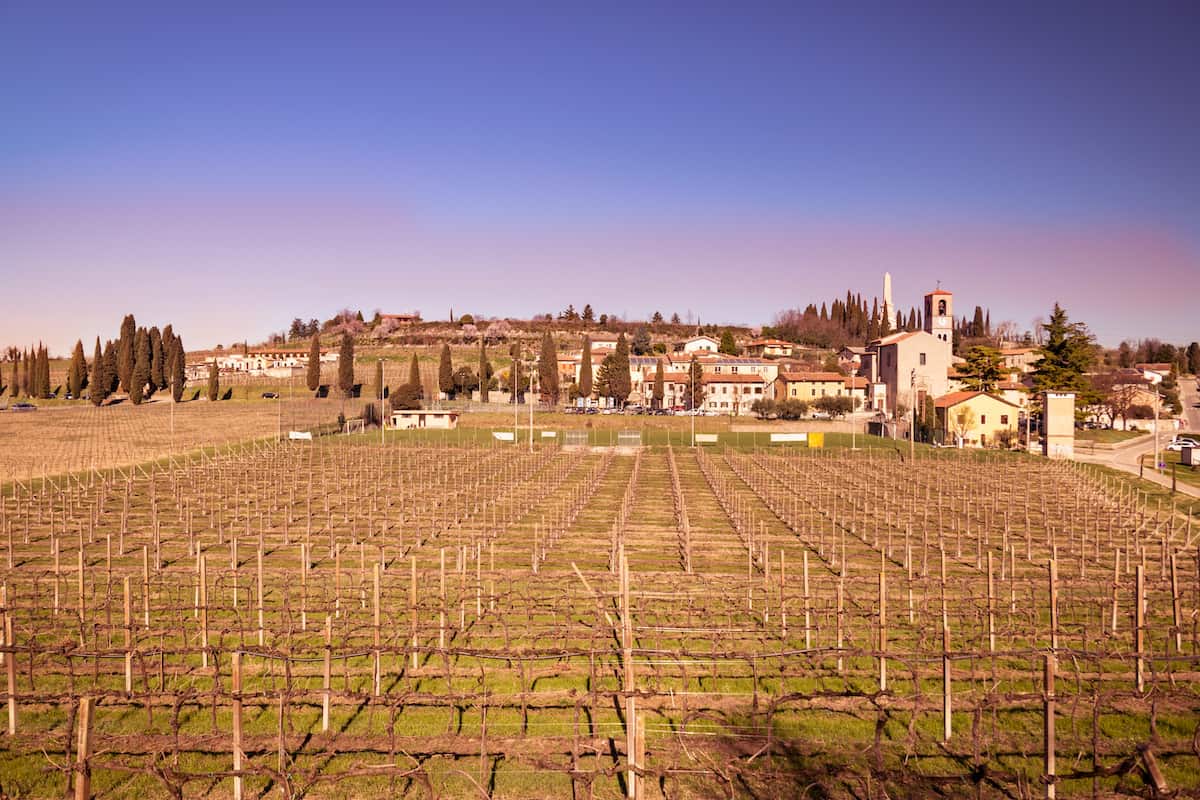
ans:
x=782 y=595
x=259 y=596
x=10 y=666
x=412 y=604
x=128 y=625
x=1053 y=572
x=146 y=588
x=841 y=608
x=639 y=753
x=1139 y=623
x=83 y=747
x=882 y=631
x=376 y=670
x=991 y=605
x=808 y=610
x=442 y=605
x=1176 y=609
x=236 y=668
x=627 y=658
x=947 y=707
x=203 y=611
x=1048 y=713
x=325 y=674
x=1115 y=589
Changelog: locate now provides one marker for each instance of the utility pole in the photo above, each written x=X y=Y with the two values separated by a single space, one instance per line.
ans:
x=382 y=404
x=912 y=428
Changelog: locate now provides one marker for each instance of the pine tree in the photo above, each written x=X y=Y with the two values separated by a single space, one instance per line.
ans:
x=548 y=368
x=659 y=385
x=485 y=371
x=125 y=353
x=141 y=367
x=346 y=366
x=620 y=384
x=158 y=368
x=178 y=374
x=214 y=381
x=76 y=371
x=585 y=369
x=100 y=379
x=446 y=372
x=1066 y=355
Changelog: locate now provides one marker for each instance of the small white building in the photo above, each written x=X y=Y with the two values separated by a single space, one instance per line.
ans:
x=700 y=344
x=413 y=419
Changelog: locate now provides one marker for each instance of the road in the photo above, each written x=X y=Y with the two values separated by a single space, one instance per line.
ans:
x=1128 y=458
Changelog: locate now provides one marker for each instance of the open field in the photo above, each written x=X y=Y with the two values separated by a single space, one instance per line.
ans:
x=436 y=617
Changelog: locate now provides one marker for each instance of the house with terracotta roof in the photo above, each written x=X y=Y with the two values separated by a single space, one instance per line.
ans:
x=810 y=386
x=732 y=394
x=1020 y=359
x=768 y=348
x=698 y=344
x=975 y=419
x=911 y=365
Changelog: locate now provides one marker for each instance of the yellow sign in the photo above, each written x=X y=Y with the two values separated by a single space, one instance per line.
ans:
x=816 y=440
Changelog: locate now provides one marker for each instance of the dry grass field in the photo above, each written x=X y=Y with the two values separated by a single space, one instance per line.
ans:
x=444 y=616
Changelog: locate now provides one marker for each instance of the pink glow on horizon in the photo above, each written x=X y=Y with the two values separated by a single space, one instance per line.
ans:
x=224 y=269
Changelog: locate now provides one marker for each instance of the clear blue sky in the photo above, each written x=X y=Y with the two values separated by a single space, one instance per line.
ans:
x=509 y=158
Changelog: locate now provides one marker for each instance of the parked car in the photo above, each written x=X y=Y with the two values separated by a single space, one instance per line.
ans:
x=1179 y=442
x=23 y=407
x=270 y=395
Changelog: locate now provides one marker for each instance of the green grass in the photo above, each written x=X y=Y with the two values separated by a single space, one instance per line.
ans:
x=1105 y=436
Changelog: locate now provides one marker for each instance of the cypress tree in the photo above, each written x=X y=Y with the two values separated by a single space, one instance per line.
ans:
x=346 y=366
x=516 y=376
x=14 y=385
x=314 y=363
x=168 y=346
x=23 y=373
x=141 y=367
x=178 y=374
x=100 y=380
x=158 y=367
x=125 y=352
x=77 y=370
x=110 y=367
x=548 y=368
x=695 y=384
x=585 y=369
x=659 y=385
x=620 y=384
x=485 y=370
x=445 y=372
x=414 y=378
x=214 y=382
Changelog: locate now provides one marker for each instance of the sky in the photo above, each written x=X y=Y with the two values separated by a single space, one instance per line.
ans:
x=229 y=166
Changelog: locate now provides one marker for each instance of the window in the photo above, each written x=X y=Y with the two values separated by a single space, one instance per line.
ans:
x=941 y=308
x=983 y=419
x=922 y=359
x=1004 y=419
x=733 y=370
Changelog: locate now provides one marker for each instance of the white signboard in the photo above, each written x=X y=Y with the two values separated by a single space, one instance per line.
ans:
x=549 y=434
x=504 y=436
x=706 y=438
x=789 y=437
x=305 y=435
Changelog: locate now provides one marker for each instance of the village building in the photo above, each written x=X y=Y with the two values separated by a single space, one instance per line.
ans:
x=1020 y=359
x=975 y=419
x=768 y=348
x=271 y=362
x=698 y=344
x=732 y=394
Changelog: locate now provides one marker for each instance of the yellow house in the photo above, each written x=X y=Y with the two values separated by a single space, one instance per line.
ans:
x=975 y=419
x=808 y=386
